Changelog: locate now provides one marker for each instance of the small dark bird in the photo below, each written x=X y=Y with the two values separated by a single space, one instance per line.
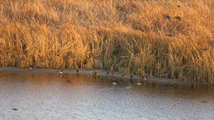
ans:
x=77 y=72
x=123 y=75
x=144 y=77
x=191 y=86
x=131 y=76
x=15 y=109
x=107 y=74
x=113 y=74
x=95 y=74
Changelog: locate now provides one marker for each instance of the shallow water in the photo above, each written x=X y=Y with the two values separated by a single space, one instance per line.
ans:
x=45 y=94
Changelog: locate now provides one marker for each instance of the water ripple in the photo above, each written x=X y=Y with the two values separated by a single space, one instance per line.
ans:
x=48 y=96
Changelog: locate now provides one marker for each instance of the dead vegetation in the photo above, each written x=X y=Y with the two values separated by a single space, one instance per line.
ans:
x=156 y=38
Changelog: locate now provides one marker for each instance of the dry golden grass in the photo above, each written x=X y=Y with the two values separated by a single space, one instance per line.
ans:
x=156 y=38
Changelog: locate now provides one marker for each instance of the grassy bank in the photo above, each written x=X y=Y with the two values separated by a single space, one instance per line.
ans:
x=156 y=38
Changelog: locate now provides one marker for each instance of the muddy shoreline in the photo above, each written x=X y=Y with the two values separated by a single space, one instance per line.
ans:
x=101 y=73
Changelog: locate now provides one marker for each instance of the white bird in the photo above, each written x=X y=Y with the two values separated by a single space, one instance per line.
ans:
x=30 y=67
x=61 y=72
x=139 y=83
x=114 y=83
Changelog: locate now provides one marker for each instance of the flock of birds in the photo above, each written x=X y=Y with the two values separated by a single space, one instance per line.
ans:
x=108 y=76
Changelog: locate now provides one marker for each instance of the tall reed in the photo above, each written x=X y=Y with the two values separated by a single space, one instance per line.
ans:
x=155 y=38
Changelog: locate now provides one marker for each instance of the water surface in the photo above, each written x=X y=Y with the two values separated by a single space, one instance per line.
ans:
x=44 y=94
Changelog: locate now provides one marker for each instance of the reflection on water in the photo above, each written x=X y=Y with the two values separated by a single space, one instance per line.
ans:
x=45 y=94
